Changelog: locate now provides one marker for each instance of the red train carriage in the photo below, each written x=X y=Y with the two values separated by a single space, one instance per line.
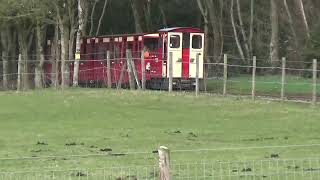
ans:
x=183 y=42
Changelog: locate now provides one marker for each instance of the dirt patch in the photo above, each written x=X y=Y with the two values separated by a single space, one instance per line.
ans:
x=80 y=174
x=42 y=143
x=311 y=169
x=117 y=154
x=106 y=150
x=127 y=177
x=295 y=167
x=74 y=144
x=246 y=170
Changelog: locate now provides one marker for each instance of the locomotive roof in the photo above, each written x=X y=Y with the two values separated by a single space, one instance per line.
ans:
x=172 y=29
x=180 y=29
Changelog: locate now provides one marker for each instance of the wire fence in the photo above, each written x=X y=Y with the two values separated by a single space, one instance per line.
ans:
x=285 y=81
x=271 y=169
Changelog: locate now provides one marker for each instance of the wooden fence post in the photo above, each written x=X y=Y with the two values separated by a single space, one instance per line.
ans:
x=130 y=69
x=143 y=72
x=205 y=77
x=19 y=86
x=197 y=74
x=254 y=69
x=314 y=89
x=133 y=68
x=170 y=72
x=121 y=75
x=108 y=70
x=283 y=79
x=225 y=74
x=164 y=163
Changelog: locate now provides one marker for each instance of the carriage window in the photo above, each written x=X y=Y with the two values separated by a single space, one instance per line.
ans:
x=196 y=42
x=151 y=44
x=174 y=41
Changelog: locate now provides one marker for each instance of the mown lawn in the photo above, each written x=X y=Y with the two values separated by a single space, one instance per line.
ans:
x=267 y=84
x=84 y=121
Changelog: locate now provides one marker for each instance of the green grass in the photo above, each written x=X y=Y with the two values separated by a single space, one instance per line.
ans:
x=268 y=84
x=142 y=121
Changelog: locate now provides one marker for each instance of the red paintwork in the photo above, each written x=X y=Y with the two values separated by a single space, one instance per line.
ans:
x=185 y=63
x=93 y=66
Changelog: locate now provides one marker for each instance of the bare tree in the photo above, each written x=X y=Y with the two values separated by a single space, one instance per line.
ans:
x=92 y=15
x=304 y=18
x=244 y=35
x=136 y=15
x=204 y=13
x=101 y=16
x=78 y=46
x=274 y=43
x=236 y=32
x=252 y=6
x=39 y=74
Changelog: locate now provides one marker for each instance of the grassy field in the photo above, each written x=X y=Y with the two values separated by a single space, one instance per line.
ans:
x=268 y=85
x=87 y=121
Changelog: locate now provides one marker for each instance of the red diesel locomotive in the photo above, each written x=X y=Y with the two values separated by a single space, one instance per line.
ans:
x=183 y=42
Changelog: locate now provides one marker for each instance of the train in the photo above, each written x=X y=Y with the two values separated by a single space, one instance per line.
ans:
x=183 y=44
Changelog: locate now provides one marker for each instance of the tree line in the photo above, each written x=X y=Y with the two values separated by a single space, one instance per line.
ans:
x=268 y=29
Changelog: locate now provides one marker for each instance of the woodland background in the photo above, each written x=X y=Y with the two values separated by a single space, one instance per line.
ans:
x=268 y=29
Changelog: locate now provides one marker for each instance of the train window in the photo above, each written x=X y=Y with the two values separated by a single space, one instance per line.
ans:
x=151 y=44
x=174 y=41
x=196 y=42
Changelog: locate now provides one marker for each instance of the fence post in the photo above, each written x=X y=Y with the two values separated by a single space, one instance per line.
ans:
x=143 y=72
x=19 y=73
x=225 y=74
x=283 y=79
x=108 y=70
x=164 y=163
x=314 y=91
x=170 y=72
x=197 y=74
x=254 y=69
x=121 y=75
x=133 y=68
x=130 y=69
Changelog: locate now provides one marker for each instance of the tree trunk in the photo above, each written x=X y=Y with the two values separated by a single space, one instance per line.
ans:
x=163 y=15
x=244 y=36
x=19 y=80
x=101 y=17
x=92 y=15
x=217 y=39
x=251 y=26
x=78 y=46
x=147 y=14
x=136 y=16
x=236 y=32
x=39 y=73
x=274 y=44
x=5 y=70
x=296 y=52
x=64 y=46
x=221 y=28
x=55 y=49
x=204 y=12
x=304 y=18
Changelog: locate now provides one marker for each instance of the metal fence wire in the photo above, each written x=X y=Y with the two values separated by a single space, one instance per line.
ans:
x=271 y=169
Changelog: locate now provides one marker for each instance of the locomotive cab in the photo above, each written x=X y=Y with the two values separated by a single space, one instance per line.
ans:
x=184 y=44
